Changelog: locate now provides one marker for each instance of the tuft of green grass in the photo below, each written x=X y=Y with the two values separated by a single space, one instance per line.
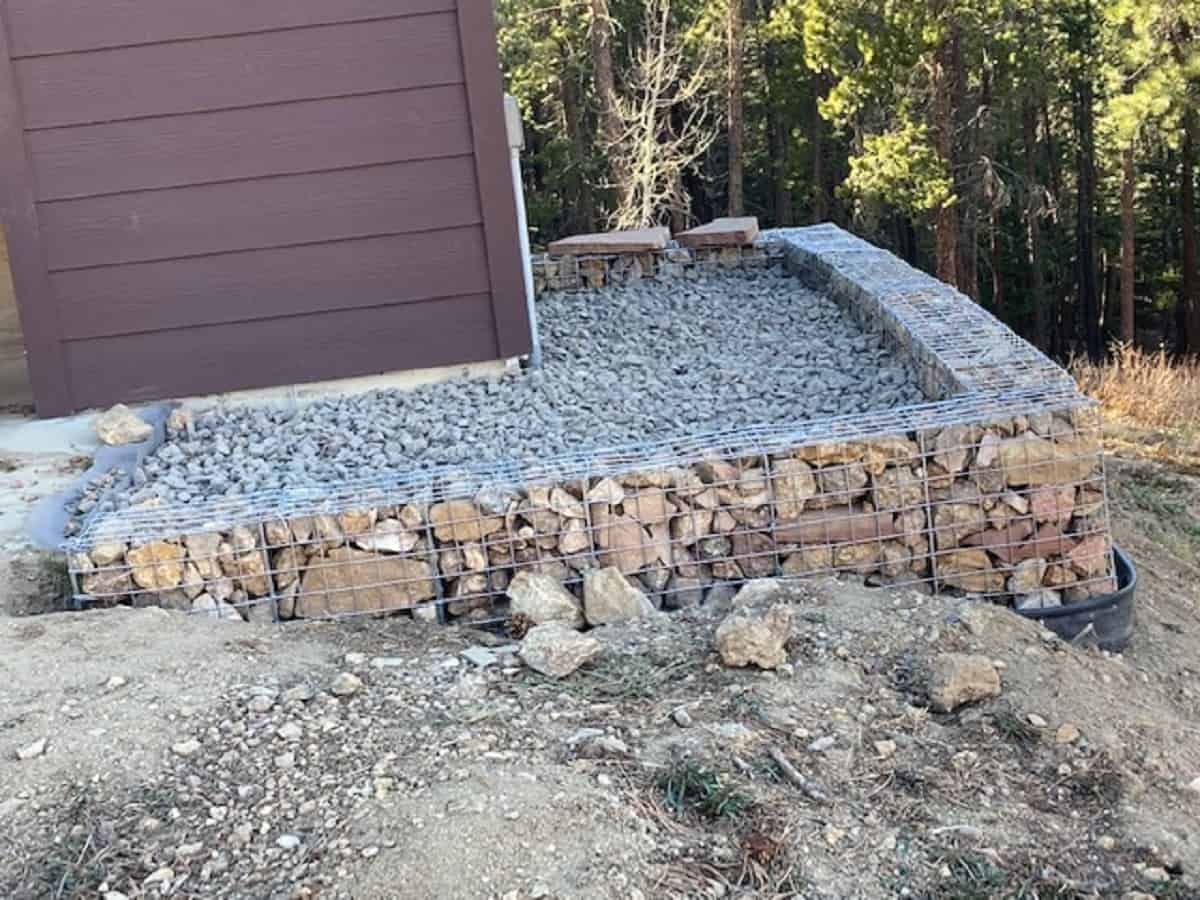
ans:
x=966 y=874
x=688 y=786
x=1100 y=784
x=1167 y=498
x=1014 y=728
x=971 y=876
x=625 y=676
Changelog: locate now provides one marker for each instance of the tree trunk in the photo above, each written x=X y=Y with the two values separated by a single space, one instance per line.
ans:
x=737 y=204
x=1190 y=318
x=816 y=143
x=1085 y=227
x=1033 y=228
x=963 y=165
x=582 y=202
x=781 y=194
x=600 y=34
x=1059 y=282
x=994 y=235
x=1128 y=175
x=945 y=225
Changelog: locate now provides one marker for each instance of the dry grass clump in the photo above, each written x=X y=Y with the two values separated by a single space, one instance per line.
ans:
x=1151 y=392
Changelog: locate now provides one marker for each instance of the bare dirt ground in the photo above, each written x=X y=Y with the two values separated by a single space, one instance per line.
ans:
x=186 y=757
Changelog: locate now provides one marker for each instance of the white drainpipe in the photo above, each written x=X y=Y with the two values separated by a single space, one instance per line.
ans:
x=516 y=143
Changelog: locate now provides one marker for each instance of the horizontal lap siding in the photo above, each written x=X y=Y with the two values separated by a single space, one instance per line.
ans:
x=260 y=214
x=245 y=193
x=246 y=70
x=236 y=287
x=280 y=351
x=62 y=26
x=248 y=143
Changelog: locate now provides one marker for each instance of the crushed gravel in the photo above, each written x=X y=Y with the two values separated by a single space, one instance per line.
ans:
x=621 y=365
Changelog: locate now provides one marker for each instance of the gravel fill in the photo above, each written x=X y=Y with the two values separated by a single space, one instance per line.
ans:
x=648 y=361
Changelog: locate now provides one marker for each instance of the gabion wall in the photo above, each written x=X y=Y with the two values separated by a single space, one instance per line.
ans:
x=995 y=488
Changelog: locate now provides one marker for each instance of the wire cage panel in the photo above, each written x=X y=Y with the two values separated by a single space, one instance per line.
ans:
x=994 y=488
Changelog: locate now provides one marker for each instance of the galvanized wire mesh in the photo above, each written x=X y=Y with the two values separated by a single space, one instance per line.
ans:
x=995 y=489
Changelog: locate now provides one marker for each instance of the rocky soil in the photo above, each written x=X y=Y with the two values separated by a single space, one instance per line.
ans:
x=145 y=753
x=901 y=745
x=648 y=361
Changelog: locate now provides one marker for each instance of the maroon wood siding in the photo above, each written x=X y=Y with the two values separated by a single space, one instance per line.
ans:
x=202 y=197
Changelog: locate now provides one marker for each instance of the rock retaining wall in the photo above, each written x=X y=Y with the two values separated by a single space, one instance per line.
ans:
x=1011 y=509
x=594 y=271
x=994 y=488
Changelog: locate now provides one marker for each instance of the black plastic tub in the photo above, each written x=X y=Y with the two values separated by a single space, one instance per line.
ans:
x=1110 y=615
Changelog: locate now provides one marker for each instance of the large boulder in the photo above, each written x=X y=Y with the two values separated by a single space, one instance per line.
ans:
x=609 y=597
x=347 y=580
x=557 y=650
x=542 y=598
x=956 y=679
x=1035 y=461
x=750 y=636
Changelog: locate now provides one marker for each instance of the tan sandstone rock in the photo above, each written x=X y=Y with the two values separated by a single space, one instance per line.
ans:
x=609 y=597
x=121 y=425
x=792 y=484
x=250 y=571
x=109 y=583
x=387 y=536
x=156 y=566
x=346 y=580
x=1032 y=460
x=542 y=599
x=623 y=543
x=109 y=553
x=461 y=520
x=750 y=636
x=1027 y=576
x=969 y=570
x=557 y=650
x=956 y=679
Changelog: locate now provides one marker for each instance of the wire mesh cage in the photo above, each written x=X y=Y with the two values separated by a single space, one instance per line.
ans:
x=994 y=488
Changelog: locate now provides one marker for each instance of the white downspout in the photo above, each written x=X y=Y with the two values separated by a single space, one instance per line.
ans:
x=516 y=143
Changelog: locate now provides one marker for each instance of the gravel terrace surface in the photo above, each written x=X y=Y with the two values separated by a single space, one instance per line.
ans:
x=624 y=365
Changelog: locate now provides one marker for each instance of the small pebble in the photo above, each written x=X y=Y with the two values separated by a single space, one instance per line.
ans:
x=160 y=876
x=301 y=693
x=1066 y=734
x=32 y=751
x=346 y=685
